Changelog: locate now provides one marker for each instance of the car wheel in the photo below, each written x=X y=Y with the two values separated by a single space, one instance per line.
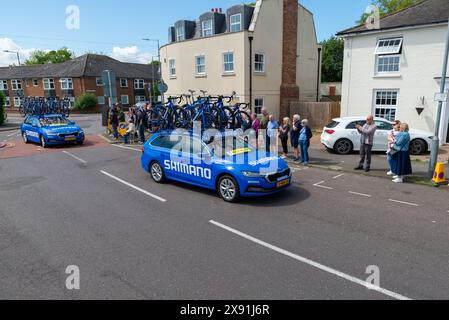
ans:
x=43 y=142
x=157 y=173
x=343 y=147
x=25 y=137
x=330 y=150
x=417 y=147
x=228 y=189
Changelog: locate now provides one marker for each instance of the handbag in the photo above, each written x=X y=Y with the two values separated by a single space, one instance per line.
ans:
x=393 y=151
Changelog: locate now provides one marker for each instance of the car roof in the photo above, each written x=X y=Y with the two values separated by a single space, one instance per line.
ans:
x=354 y=118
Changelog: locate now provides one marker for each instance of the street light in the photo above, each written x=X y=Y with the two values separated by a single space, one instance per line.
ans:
x=158 y=57
x=21 y=75
x=16 y=52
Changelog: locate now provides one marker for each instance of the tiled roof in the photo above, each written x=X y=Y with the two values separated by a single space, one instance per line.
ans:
x=89 y=65
x=424 y=13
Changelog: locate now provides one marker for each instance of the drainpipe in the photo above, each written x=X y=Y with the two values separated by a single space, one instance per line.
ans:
x=318 y=76
x=251 y=38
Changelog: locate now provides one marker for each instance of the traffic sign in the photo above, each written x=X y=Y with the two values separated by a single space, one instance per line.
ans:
x=163 y=88
x=109 y=79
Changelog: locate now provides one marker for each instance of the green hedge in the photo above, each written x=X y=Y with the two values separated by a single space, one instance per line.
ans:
x=87 y=101
x=2 y=103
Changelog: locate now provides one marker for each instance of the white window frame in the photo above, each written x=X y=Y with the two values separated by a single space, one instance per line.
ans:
x=180 y=36
x=7 y=101
x=232 y=25
x=172 y=68
x=393 y=56
x=17 y=102
x=16 y=85
x=228 y=63
x=207 y=32
x=263 y=63
x=386 y=105
x=66 y=83
x=3 y=84
x=197 y=65
x=123 y=100
x=101 y=100
x=99 y=82
x=37 y=82
x=49 y=83
x=71 y=102
x=140 y=99
x=389 y=46
x=139 y=84
x=121 y=83
x=260 y=107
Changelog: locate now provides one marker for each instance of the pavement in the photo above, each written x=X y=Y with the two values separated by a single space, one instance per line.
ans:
x=95 y=208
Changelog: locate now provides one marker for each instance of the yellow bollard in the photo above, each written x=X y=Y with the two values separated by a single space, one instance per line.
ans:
x=439 y=177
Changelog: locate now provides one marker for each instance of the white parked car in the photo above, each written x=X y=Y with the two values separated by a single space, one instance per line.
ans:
x=342 y=137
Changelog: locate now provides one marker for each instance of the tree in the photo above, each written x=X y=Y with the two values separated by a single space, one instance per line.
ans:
x=2 y=103
x=387 y=7
x=42 y=57
x=87 y=101
x=332 y=63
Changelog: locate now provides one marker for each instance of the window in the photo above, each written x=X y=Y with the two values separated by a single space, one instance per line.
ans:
x=172 y=67
x=383 y=126
x=17 y=101
x=139 y=84
x=3 y=85
x=207 y=28
x=180 y=36
x=35 y=82
x=389 y=46
x=388 y=63
x=167 y=142
x=352 y=125
x=49 y=84
x=124 y=83
x=125 y=99
x=7 y=101
x=66 y=83
x=200 y=64
x=259 y=63
x=258 y=105
x=140 y=99
x=99 y=82
x=16 y=85
x=228 y=62
x=235 y=22
x=385 y=104
x=27 y=83
x=101 y=100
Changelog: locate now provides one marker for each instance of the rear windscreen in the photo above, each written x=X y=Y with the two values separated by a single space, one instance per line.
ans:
x=333 y=124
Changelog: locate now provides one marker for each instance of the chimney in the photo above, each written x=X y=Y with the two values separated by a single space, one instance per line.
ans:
x=289 y=87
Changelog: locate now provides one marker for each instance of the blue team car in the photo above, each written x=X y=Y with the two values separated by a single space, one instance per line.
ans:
x=228 y=165
x=50 y=130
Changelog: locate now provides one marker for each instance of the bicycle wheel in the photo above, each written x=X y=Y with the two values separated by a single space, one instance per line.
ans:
x=241 y=120
x=181 y=118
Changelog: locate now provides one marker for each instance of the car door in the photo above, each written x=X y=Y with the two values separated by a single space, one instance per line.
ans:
x=353 y=134
x=170 y=157
x=381 y=136
x=33 y=130
x=26 y=126
x=201 y=160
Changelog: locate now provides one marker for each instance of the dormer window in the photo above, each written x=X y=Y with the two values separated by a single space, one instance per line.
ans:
x=236 y=22
x=180 y=34
x=207 y=28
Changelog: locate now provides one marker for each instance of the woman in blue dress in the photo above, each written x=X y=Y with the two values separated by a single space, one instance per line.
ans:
x=401 y=163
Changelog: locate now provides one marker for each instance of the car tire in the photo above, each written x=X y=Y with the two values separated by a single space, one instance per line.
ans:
x=228 y=189
x=43 y=142
x=25 y=138
x=156 y=172
x=418 y=147
x=330 y=150
x=343 y=147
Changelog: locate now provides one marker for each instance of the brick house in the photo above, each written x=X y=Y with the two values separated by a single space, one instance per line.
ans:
x=76 y=77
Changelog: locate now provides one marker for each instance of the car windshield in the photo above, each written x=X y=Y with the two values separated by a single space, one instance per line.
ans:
x=54 y=121
x=229 y=146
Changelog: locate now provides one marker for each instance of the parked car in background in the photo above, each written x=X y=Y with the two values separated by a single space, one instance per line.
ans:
x=342 y=137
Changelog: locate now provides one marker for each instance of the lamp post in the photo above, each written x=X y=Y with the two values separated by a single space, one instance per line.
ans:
x=158 y=57
x=16 y=52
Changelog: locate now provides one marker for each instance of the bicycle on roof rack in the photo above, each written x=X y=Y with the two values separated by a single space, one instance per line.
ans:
x=42 y=106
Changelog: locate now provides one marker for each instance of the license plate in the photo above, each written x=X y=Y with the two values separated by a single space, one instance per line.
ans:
x=283 y=183
x=70 y=139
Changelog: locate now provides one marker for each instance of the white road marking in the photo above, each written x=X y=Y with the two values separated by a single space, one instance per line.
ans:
x=360 y=194
x=339 y=176
x=312 y=263
x=127 y=148
x=319 y=185
x=74 y=157
x=403 y=202
x=133 y=187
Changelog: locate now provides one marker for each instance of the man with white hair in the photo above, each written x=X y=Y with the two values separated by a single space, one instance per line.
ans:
x=294 y=136
x=367 y=132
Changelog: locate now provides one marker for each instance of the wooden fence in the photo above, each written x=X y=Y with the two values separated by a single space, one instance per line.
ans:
x=319 y=114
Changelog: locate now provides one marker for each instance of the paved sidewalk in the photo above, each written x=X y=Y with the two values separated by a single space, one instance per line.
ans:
x=9 y=126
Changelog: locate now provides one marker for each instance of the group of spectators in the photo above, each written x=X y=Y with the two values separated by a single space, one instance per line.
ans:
x=398 y=154
x=136 y=120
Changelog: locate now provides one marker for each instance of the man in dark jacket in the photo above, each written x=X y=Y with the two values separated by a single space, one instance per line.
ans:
x=114 y=118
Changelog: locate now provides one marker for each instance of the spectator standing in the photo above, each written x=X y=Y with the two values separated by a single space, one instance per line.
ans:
x=141 y=125
x=272 y=131
x=401 y=163
x=131 y=131
x=391 y=141
x=283 y=134
x=255 y=128
x=366 y=143
x=305 y=135
x=264 y=124
x=294 y=136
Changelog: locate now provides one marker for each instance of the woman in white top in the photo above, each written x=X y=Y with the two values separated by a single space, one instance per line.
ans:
x=391 y=141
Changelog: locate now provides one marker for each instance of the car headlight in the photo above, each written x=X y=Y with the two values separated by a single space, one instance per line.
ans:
x=250 y=174
x=50 y=134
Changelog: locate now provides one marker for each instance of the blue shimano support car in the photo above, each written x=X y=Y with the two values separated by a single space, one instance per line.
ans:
x=52 y=129
x=226 y=164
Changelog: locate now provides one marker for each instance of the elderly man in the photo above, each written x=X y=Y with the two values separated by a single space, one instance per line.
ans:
x=366 y=143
